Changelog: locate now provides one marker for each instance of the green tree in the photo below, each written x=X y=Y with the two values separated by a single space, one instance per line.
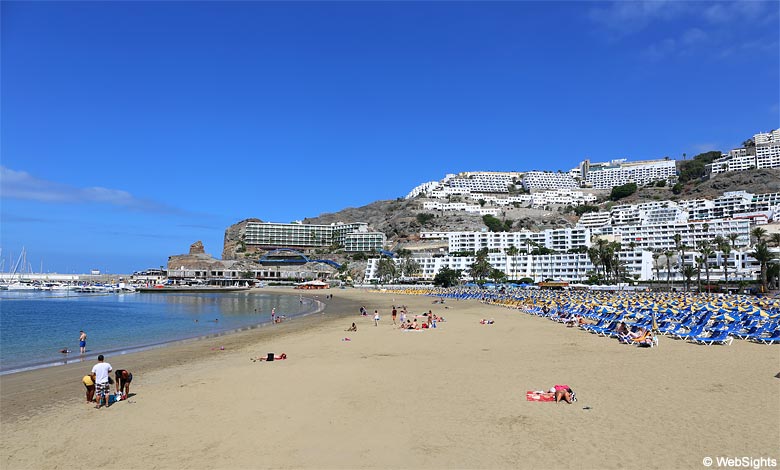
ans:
x=497 y=276
x=447 y=277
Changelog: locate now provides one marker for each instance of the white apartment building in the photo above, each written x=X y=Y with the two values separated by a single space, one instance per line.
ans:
x=460 y=206
x=423 y=189
x=594 y=219
x=522 y=199
x=548 y=180
x=561 y=240
x=648 y=213
x=561 y=197
x=692 y=233
x=619 y=172
x=766 y=154
x=484 y=181
x=768 y=149
x=735 y=160
x=572 y=267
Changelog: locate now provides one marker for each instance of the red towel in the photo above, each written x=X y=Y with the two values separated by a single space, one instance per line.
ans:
x=534 y=396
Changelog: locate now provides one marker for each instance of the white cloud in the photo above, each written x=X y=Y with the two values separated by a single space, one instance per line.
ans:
x=628 y=17
x=22 y=185
x=703 y=147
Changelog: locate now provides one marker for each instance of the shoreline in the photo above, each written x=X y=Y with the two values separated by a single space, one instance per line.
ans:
x=316 y=306
x=451 y=397
x=64 y=379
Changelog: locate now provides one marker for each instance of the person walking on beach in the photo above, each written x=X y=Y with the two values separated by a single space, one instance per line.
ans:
x=273 y=315
x=395 y=313
x=102 y=386
x=376 y=317
x=83 y=341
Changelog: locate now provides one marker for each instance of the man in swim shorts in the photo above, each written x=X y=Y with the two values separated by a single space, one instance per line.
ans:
x=102 y=387
x=123 y=377
x=83 y=341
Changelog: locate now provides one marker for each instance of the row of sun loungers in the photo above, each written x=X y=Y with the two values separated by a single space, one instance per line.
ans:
x=699 y=326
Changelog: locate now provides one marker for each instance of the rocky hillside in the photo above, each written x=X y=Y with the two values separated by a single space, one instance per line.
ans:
x=398 y=219
x=765 y=180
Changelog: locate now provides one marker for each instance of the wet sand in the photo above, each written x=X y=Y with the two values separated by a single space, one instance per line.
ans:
x=453 y=397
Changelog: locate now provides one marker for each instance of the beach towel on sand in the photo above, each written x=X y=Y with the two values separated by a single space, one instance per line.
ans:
x=539 y=396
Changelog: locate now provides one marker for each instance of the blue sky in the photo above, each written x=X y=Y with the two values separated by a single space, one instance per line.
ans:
x=131 y=130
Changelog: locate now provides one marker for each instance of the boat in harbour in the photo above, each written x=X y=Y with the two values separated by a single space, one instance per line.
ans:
x=197 y=288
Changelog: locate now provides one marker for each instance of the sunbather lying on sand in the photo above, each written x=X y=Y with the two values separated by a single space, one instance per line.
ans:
x=268 y=358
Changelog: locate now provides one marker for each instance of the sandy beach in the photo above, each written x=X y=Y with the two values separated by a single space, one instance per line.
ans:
x=450 y=397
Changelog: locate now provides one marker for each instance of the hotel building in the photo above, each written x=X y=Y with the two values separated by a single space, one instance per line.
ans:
x=353 y=237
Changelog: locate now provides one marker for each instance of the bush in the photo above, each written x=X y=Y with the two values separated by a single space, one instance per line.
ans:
x=424 y=218
x=493 y=224
x=625 y=190
x=579 y=210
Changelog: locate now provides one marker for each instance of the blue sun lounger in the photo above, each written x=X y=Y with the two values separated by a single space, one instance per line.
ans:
x=715 y=337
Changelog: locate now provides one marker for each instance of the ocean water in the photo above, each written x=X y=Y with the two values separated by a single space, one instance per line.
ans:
x=35 y=326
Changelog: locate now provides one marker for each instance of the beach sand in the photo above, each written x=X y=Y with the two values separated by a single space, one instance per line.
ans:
x=453 y=397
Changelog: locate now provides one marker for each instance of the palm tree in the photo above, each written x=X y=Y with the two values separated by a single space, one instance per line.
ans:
x=726 y=250
x=656 y=255
x=699 y=260
x=593 y=255
x=733 y=237
x=512 y=252
x=758 y=233
x=706 y=252
x=669 y=254
x=775 y=239
x=688 y=271
x=385 y=269
x=764 y=257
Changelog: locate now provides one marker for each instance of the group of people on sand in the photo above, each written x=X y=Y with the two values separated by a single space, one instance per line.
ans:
x=430 y=320
x=641 y=336
x=98 y=383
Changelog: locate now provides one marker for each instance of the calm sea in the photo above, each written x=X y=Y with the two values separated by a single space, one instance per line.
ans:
x=35 y=326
